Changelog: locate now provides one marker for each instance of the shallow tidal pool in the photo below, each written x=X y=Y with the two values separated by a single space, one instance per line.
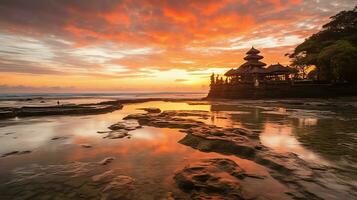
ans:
x=65 y=156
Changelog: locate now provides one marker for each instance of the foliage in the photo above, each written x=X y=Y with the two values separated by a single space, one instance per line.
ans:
x=333 y=50
x=312 y=74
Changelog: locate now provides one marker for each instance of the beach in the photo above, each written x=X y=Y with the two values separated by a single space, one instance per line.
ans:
x=228 y=149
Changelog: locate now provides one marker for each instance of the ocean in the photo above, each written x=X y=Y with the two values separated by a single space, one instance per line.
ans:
x=128 y=95
x=46 y=99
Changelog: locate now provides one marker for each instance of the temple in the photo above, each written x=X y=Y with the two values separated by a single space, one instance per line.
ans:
x=253 y=71
x=254 y=79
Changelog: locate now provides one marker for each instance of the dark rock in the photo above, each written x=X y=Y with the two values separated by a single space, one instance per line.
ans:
x=70 y=109
x=286 y=168
x=5 y=113
x=74 y=180
x=16 y=153
x=24 y=152
x=59 y=137
x=10 y=153
x=118 y=187
x=212 y=178
x=86 y=146
x=102 y=132
x=117 y=134
x=128 y=125
x=151 y=110
x=121 y=129
x=103 y=177
x=106 y=161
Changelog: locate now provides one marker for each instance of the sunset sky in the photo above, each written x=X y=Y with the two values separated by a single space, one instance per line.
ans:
x=145 y=45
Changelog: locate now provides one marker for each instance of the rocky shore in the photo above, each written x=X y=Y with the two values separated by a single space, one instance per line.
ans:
x=76 y=180
x=304 y=180
x=77 y=109
x=279 y=91
x=206 y=178
x=66 y=109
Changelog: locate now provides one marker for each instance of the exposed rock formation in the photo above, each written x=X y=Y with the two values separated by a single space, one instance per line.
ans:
x=301 y=177
x=121 y=129
x=16 y=153
x=213 y=179
x=128 y=125
x=87 y=146
x=81 y=109
x=151 y=110
x=275 y=91
x=75 y=180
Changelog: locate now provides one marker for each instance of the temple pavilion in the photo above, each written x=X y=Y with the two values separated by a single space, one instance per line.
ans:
x=255 y=71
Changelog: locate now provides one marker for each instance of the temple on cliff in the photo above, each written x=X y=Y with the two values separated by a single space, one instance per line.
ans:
x=254 y=71
x=255 y=80
x=251 y=76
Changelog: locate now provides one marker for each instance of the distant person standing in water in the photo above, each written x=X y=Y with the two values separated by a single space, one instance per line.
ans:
x=58 y=103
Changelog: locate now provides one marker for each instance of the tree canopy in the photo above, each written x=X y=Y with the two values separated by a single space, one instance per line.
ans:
x=333 y=50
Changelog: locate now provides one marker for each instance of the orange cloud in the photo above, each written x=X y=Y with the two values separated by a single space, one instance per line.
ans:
x=131 y=42
x=179 y=15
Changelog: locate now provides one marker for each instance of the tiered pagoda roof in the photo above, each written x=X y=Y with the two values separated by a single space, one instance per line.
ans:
x=252 y=62
x=252 y=59
x=253 y=65
x=280 y=69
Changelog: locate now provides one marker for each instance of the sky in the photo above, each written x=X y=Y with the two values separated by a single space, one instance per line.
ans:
x=145 y=45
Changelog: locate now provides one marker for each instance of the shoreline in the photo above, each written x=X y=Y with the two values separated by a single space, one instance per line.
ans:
x=279 y=91
x=112 y=105
x=78 y=109
x=303 y=179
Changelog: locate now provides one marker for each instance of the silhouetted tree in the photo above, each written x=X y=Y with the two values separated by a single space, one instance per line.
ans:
x=212 y=79
x=217 y=79
x=333 y=50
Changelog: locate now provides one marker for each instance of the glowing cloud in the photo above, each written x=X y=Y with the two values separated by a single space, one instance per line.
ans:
x=96 y=45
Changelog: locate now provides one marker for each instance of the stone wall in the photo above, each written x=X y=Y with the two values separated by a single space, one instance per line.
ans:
x=241 y=91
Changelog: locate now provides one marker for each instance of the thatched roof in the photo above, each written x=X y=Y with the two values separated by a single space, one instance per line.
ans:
x=253 y=57
x=246 y=70
x=254 y=66
x=258 y=70
x=230 y=72
x=276 y=69
x=280 y=69
x=253 y=51
x=253 y=63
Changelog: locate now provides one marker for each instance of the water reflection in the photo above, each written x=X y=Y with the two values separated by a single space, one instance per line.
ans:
x=152 y=155
x=314 y=135
x=307 y=122
x=274 y=124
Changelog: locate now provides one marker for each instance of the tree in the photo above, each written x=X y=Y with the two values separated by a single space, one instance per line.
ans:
x=333 y=50
x=301 y=65
x=312 y=75
x=340 y=57
x=212 y=80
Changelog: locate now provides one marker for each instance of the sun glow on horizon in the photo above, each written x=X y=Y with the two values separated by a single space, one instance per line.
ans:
x=136 y=45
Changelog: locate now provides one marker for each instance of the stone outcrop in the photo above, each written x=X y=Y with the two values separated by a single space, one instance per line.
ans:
x=298 y=175
x=120 y=129
x=151 y=110
x=274 y=91
x=128 y=125
x=75 y=180
x=16 y=153
x=213 y=179
x=81 y=109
